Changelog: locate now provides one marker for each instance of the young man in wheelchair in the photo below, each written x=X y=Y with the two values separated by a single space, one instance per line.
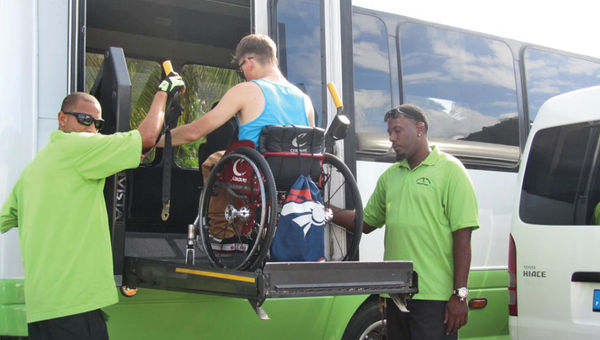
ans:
x=266 y=98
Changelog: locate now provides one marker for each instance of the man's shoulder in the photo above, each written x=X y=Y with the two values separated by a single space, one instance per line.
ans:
x=450 y=161
x=392 y=170
x=246 y=86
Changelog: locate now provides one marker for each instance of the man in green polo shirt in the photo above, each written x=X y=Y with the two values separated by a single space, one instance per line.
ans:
x=58 y=206
x=427 y=203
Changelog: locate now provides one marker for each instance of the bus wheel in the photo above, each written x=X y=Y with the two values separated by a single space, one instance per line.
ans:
x=366 y=323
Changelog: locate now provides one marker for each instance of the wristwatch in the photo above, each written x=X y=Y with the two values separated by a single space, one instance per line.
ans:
x=462 y=293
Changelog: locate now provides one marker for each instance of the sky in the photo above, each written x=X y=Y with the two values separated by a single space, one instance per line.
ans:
x=572 y=25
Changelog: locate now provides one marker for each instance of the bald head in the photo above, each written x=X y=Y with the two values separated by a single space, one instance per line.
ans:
x=73 y=99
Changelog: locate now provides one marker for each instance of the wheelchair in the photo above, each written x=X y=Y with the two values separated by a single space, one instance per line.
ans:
x=245 y=191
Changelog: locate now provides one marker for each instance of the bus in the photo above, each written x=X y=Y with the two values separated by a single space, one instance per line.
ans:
x=481 y=93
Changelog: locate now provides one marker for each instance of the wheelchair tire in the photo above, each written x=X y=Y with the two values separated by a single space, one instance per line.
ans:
x=249 y=195
x=337 y=184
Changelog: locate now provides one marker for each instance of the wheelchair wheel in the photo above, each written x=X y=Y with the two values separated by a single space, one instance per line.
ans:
x=339 y=189
x=238 y=210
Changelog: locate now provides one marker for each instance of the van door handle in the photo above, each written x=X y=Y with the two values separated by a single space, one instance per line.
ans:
x=586 y=277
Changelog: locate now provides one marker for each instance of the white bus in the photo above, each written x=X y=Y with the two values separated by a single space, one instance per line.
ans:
x=480 y=91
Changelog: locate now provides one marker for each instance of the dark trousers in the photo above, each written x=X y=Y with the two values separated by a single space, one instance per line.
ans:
x=424 y=321
x=89 y=326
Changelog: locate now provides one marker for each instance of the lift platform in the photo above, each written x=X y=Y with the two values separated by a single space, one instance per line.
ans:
x=276 y=279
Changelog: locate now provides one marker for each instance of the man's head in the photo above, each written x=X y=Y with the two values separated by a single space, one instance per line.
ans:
x=253 y=52
x=80 y=112
x=407 y=128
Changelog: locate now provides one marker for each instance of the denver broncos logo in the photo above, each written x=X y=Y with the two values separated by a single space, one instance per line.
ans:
x=307 y=214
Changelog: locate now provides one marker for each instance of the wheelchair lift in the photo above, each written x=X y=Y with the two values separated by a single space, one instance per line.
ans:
x=276 y=279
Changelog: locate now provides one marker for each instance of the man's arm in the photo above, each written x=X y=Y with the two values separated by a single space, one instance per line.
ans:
x=345 y=218
x=231 y=103
x=310 y=110
x=9 y=212
x=150 y=127
x=456 y=314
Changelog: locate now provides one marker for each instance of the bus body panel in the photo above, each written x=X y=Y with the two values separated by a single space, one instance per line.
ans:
x=37 y=66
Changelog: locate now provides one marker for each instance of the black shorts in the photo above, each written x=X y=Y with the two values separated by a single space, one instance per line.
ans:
x=424 y=321
x=89 y=325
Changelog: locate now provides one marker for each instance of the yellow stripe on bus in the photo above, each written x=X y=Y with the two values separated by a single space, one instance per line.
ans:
x=217 y=275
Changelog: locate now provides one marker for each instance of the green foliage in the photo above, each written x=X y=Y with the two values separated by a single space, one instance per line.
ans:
x=205 y=86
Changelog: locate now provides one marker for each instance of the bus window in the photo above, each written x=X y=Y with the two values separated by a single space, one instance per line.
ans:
x=548 y=74
x=466 y=83
x=372 y=89
x=205 y=85
x=144 y=76
x=300 y=48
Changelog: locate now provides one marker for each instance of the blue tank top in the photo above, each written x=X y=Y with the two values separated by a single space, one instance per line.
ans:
x=284 y=105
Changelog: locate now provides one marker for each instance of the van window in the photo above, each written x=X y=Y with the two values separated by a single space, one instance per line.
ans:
x=560 y=185
x=205 y=85
x=548 y=74
x=372 y=89
x=466 y=83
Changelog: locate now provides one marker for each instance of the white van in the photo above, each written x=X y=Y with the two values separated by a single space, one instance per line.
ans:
x=554 y=255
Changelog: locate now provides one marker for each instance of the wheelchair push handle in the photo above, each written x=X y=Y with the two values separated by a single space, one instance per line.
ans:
x=167 y=67
x=334 y=96
x=339 y=125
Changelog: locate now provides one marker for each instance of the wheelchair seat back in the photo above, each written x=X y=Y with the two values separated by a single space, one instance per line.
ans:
x=292 y=151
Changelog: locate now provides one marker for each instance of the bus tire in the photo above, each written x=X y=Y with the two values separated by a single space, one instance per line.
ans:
x=366 y=323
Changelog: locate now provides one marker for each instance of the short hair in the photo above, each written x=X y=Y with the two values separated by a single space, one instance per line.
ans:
x=409 y=111
x=72 y=99
x=260 y=46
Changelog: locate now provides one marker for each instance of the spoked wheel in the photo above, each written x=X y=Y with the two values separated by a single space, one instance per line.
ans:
x=238 y=210
x=339 y=189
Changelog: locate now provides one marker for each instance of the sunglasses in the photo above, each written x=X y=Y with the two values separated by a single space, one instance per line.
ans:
x=86 y=119
x=395 y=113
x=239 y=70
x=244 y=62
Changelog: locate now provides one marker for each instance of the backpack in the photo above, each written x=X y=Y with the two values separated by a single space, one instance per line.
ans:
x=300 y=230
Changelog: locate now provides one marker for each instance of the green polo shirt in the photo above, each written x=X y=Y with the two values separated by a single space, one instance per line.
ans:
x=421 y=207
x=58 y=205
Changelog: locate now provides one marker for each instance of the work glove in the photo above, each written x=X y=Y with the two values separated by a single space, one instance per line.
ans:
x=171 y=84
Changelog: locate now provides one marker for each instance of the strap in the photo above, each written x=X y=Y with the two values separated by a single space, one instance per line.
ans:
x=298 y=149
x=173 y=111
x=166 y=178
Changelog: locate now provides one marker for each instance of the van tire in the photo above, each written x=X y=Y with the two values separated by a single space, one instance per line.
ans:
x=366 y=323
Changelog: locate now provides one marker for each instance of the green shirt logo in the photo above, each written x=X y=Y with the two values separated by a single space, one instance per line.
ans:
x=423 y=181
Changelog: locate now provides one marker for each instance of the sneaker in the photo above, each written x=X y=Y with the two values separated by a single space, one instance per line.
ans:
x=231 y=244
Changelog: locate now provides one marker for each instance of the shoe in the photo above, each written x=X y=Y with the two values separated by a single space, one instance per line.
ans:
x=230 y=244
